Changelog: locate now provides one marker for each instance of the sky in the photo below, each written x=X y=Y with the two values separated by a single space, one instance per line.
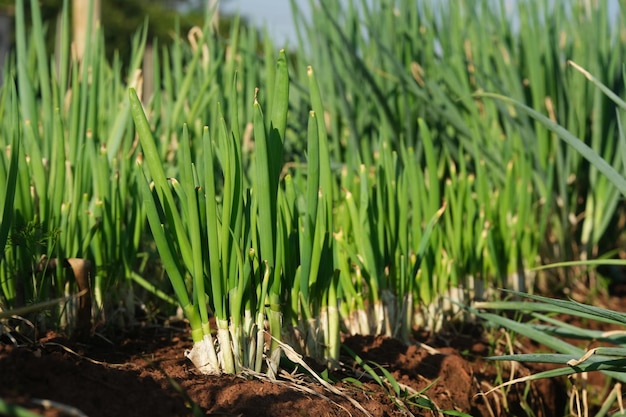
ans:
x=276 y=14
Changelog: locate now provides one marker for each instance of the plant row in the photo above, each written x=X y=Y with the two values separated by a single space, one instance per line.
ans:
x=363 y=194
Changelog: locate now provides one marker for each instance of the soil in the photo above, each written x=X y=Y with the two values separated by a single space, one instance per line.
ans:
x=143 y=372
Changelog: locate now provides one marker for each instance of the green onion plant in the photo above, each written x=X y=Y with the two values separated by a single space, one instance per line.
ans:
x=360 y=183
x=550 y=331
x=71 y=191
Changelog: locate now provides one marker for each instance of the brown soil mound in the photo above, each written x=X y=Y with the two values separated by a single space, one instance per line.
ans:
x=145 y=373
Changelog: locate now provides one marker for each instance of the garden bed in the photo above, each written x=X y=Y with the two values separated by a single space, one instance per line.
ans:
x=135 y=375
x=142 y=371
x=354 y=184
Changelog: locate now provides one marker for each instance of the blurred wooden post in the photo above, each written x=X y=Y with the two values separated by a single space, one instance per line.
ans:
x=80 y=23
